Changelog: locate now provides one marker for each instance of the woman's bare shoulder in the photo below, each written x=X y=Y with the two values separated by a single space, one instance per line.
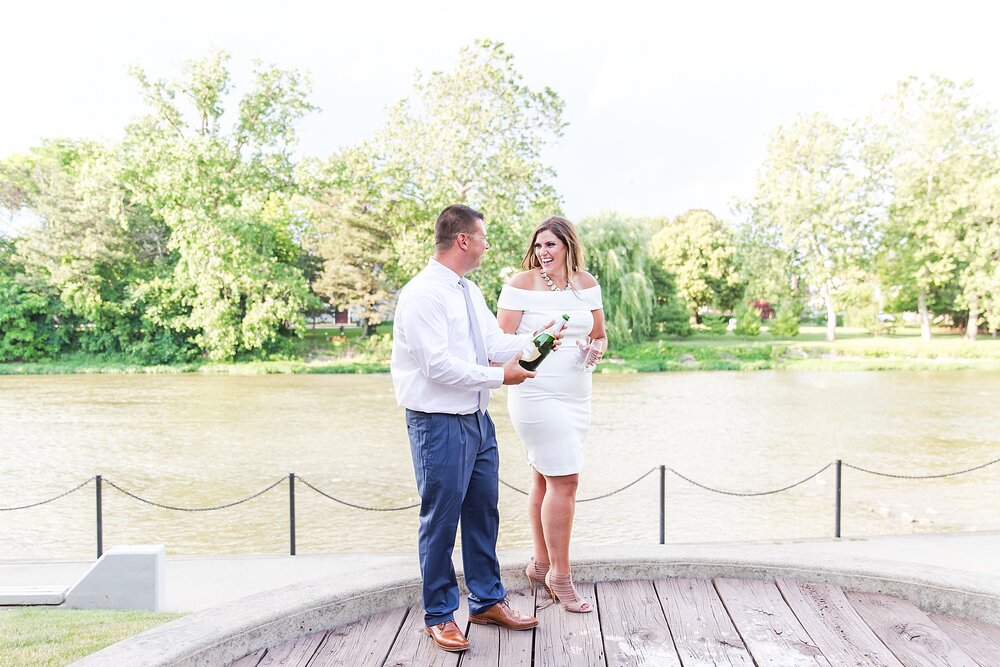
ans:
x=522 y=280
x=584 y=280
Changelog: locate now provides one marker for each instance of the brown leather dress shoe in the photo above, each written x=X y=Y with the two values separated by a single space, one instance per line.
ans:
x=501 y=614
x=448 y=636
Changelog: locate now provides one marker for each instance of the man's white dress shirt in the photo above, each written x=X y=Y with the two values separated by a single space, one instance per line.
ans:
x=433 y=363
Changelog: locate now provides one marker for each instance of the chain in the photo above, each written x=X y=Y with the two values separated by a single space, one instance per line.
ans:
x=357 y=507
x=193 y=509
x=514 y=488
x=587 y=500
x=632 y=483
x=946 y=474
x=50 y=500
x=508 y=485
x=748 y=494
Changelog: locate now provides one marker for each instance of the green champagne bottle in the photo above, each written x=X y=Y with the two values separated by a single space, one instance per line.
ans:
x=542 y=344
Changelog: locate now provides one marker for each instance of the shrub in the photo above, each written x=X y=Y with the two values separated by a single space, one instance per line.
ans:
x=716 y=324
x=786 y=322
x=747 y=320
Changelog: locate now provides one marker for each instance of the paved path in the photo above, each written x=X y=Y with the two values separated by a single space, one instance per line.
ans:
x=195 y=583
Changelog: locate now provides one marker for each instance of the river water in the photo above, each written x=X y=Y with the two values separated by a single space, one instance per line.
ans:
x=203 y=440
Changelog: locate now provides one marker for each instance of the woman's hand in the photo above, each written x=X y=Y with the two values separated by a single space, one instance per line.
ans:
x=558 y=335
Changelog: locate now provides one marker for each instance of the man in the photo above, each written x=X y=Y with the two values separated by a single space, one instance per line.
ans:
x=444 y=337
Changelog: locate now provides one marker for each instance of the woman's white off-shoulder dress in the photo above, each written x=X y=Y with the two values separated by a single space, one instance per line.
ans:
x=551 y=412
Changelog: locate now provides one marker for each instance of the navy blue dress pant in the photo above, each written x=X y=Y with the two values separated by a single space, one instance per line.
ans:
x=456 y=463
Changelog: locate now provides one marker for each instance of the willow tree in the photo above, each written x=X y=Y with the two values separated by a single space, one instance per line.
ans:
x=617 y=253
x=812 y=198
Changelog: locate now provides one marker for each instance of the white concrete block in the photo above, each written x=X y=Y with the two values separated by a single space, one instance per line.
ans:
x=32 y=595
x=125 y=577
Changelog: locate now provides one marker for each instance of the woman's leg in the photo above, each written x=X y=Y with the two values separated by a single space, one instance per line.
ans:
x=558 y=505
x=536 y=498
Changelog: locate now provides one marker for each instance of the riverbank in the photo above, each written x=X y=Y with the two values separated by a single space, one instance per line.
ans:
x=328 y=351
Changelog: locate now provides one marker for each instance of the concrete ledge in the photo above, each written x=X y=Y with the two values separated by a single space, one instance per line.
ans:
x=28 y=596
x=220 y=635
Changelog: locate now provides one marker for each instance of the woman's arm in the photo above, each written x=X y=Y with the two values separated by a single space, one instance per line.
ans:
x=598 y=331
x=509 y=319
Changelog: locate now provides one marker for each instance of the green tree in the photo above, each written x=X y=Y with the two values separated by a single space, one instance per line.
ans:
x=747 y=320
x=473 y=135
x=786 y=320
x=935 y=147
x=700 y=251
x=813 y=201
x=617 y=254
x=226 y=194
x=981 y=276
x=29 y=328
x=92 y=247
x=670 y=315
x=353 y=240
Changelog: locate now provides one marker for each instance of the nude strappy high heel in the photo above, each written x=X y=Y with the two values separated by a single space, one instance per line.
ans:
x=561 y=589
x=536 y=574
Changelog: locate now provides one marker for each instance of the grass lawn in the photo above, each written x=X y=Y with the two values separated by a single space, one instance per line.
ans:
x=42 y=637
x=854 y=349
x=327 y=350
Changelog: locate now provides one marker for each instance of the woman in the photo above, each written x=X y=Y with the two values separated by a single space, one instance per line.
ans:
x=551 y=413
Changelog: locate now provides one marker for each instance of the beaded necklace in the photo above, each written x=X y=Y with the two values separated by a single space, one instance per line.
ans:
x=552 y=285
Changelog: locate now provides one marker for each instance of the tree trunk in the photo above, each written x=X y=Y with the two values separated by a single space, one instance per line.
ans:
x=925 y=319
x=972 y=327
x=831 y=316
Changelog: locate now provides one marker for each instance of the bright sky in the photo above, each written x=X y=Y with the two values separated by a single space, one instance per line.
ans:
x=669 y=104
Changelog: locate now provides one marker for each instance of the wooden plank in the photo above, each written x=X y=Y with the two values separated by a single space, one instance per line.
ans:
x=366 y=642
x=414 y=648
x=250 y=660
x=492 y=645
x=294 y=653
x=702 y=630
x=635 y=629
x=565 y=639
x=980 y=640
x=515 y=646
x=769 y=628
x=484 y=645
x=908 y=633
x=839 y=632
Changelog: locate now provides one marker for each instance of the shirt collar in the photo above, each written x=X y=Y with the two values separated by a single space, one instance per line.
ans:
x=443 y=272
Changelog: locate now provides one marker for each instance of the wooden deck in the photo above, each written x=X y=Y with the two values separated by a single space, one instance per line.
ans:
x=670 y=622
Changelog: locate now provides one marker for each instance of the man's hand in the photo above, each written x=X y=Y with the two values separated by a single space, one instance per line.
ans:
x=557 y=335
x=514 y=373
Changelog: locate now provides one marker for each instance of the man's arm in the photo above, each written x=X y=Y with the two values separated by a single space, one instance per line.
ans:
x=426 y=325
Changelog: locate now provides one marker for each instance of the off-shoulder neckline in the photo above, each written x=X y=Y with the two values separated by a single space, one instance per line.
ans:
x=548 y=291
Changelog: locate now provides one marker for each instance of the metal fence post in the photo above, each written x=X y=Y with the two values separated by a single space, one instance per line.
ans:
x=291 y=512
x=100 y=520
x=663 y=504
x=836 y=520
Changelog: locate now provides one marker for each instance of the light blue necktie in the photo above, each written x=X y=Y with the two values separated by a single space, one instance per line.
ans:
x=477 y=340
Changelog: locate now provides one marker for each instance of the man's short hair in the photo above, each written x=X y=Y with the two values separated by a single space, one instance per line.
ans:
x=454 y=220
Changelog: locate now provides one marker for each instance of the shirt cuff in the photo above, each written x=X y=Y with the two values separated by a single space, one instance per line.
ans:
x=495 y=374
